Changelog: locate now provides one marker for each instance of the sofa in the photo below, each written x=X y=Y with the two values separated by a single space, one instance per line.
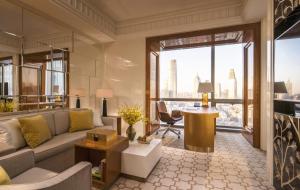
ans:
x=24 y=175
x=56 y=154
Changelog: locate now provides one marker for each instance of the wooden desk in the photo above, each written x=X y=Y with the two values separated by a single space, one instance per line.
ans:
x=200 y=129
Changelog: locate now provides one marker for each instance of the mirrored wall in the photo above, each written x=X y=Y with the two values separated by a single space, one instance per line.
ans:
x=34 y=61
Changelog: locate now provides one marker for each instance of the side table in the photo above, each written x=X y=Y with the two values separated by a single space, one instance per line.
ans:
x=94 y=152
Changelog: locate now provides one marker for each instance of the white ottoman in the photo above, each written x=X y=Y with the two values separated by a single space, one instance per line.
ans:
x=138 y=160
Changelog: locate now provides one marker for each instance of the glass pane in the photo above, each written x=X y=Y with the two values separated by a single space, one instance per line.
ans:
x=152 y=75
x=250 y=61
x=182 y=70
x=230 y=115
x=229 y=71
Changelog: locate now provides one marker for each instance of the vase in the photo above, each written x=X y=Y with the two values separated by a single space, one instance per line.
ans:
x=130 y=132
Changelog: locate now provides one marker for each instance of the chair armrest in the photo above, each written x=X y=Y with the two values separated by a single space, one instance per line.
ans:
x=77 y=177
x=6 y=149
x=176 y=113
x=18 y=162
x=114 y=121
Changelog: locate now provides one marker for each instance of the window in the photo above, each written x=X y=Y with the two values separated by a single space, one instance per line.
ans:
x=182 y=70
x=229 y=71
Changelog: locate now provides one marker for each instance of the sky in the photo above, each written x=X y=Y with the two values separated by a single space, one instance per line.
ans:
x=287 y=65
x=191 y=62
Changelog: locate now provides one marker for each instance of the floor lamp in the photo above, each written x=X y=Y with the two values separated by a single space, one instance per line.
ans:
x=105 y=94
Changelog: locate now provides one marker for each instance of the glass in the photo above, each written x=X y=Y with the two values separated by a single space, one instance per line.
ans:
x=181 y=71
x=250 y=77
x=287 y=66
x=153 y=62
x=229 y=71
x=230 y=115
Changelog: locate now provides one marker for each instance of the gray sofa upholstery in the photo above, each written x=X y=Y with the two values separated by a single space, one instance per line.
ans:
x=24 y=175
x=57 y=154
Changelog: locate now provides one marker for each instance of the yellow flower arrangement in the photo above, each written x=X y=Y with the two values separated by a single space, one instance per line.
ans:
x=131 y=114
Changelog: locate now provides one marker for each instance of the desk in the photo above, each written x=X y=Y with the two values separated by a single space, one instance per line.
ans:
x=200 y=129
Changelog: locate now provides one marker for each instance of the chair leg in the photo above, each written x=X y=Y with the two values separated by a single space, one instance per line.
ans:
x=163 y=136
x=176 y=132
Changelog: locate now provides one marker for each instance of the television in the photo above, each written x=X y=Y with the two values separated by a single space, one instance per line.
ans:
x=287 y=58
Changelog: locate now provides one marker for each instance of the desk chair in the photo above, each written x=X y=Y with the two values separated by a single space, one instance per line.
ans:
x=164 y=116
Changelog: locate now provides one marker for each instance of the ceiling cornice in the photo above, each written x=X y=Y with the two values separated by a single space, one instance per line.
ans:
x=184 y=17
x=87 y=12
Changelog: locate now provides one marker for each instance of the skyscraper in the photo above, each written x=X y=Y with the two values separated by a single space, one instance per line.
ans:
x=232 y=84
x=172 y=82
x=195 y=86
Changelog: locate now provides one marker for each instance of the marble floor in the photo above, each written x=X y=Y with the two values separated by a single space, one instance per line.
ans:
x=234 y=165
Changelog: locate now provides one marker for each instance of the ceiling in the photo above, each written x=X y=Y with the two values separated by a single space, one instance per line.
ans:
x=121 y=10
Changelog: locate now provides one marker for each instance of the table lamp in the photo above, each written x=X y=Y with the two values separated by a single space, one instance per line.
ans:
x=104 y=93
x=77 y=92
x=205 y=88
x=279 y=88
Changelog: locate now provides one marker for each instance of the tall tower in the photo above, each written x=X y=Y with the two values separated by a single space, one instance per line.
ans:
x=232 y=84
x=196 y=85
x=289 y=87
x=172 y=82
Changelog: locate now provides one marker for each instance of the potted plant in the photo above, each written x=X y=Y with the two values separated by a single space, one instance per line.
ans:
x=131 y=115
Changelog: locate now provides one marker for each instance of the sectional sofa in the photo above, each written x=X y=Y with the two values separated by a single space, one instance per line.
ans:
x=55 y=155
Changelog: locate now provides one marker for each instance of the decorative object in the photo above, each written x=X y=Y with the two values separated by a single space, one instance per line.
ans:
x=105 y=94
x=205 y=88
x=7 y=105
x=283 y=8
x=286 y=150
x=78 y=92
x=104 y=135
x=144 y=140
x=131 y=115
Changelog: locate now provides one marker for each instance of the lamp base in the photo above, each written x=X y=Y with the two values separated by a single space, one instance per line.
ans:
x=104 y=108
x=205 y=100
x=78 y=102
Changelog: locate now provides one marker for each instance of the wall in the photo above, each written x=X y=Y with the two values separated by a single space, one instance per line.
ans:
x=125 y=74
x=86 y=73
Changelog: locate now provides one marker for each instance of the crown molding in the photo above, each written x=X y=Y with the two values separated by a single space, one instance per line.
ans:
x=89 y=14
x=194 y=15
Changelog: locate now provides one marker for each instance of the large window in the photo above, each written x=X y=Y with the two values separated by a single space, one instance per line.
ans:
x=182 y=70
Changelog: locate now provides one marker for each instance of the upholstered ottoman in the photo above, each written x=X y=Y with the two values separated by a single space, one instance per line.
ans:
x=138 y=160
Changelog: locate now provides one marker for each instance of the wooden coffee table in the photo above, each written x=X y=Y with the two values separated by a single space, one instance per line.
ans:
x=94 y=152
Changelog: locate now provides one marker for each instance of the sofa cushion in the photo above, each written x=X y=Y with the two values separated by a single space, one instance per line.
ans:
x=81 y=120
x=62 y=123
x=35 y=130
x=33 y=175
x=10 y=133
x=50 y=121
x=4 y=178
x=57 y=145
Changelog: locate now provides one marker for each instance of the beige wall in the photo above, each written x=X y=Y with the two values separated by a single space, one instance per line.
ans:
x=125 y=74
x=86 y=72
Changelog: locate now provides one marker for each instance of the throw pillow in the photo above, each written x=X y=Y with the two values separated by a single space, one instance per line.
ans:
x=35 y=130
x=10 y=133
x=81 y=120
x=4 y=178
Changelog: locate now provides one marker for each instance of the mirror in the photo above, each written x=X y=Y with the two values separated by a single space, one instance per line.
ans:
x=34 y=61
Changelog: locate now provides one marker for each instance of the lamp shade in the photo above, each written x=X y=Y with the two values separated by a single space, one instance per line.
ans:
x=55 y=88
x=79 y=92
x=279 y=87
x=205 y=87
x=104 y=93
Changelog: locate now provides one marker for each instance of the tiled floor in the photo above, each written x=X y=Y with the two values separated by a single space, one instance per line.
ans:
x=234 y=165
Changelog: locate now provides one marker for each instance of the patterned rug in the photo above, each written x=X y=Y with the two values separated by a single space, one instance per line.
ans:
x=234 y=165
